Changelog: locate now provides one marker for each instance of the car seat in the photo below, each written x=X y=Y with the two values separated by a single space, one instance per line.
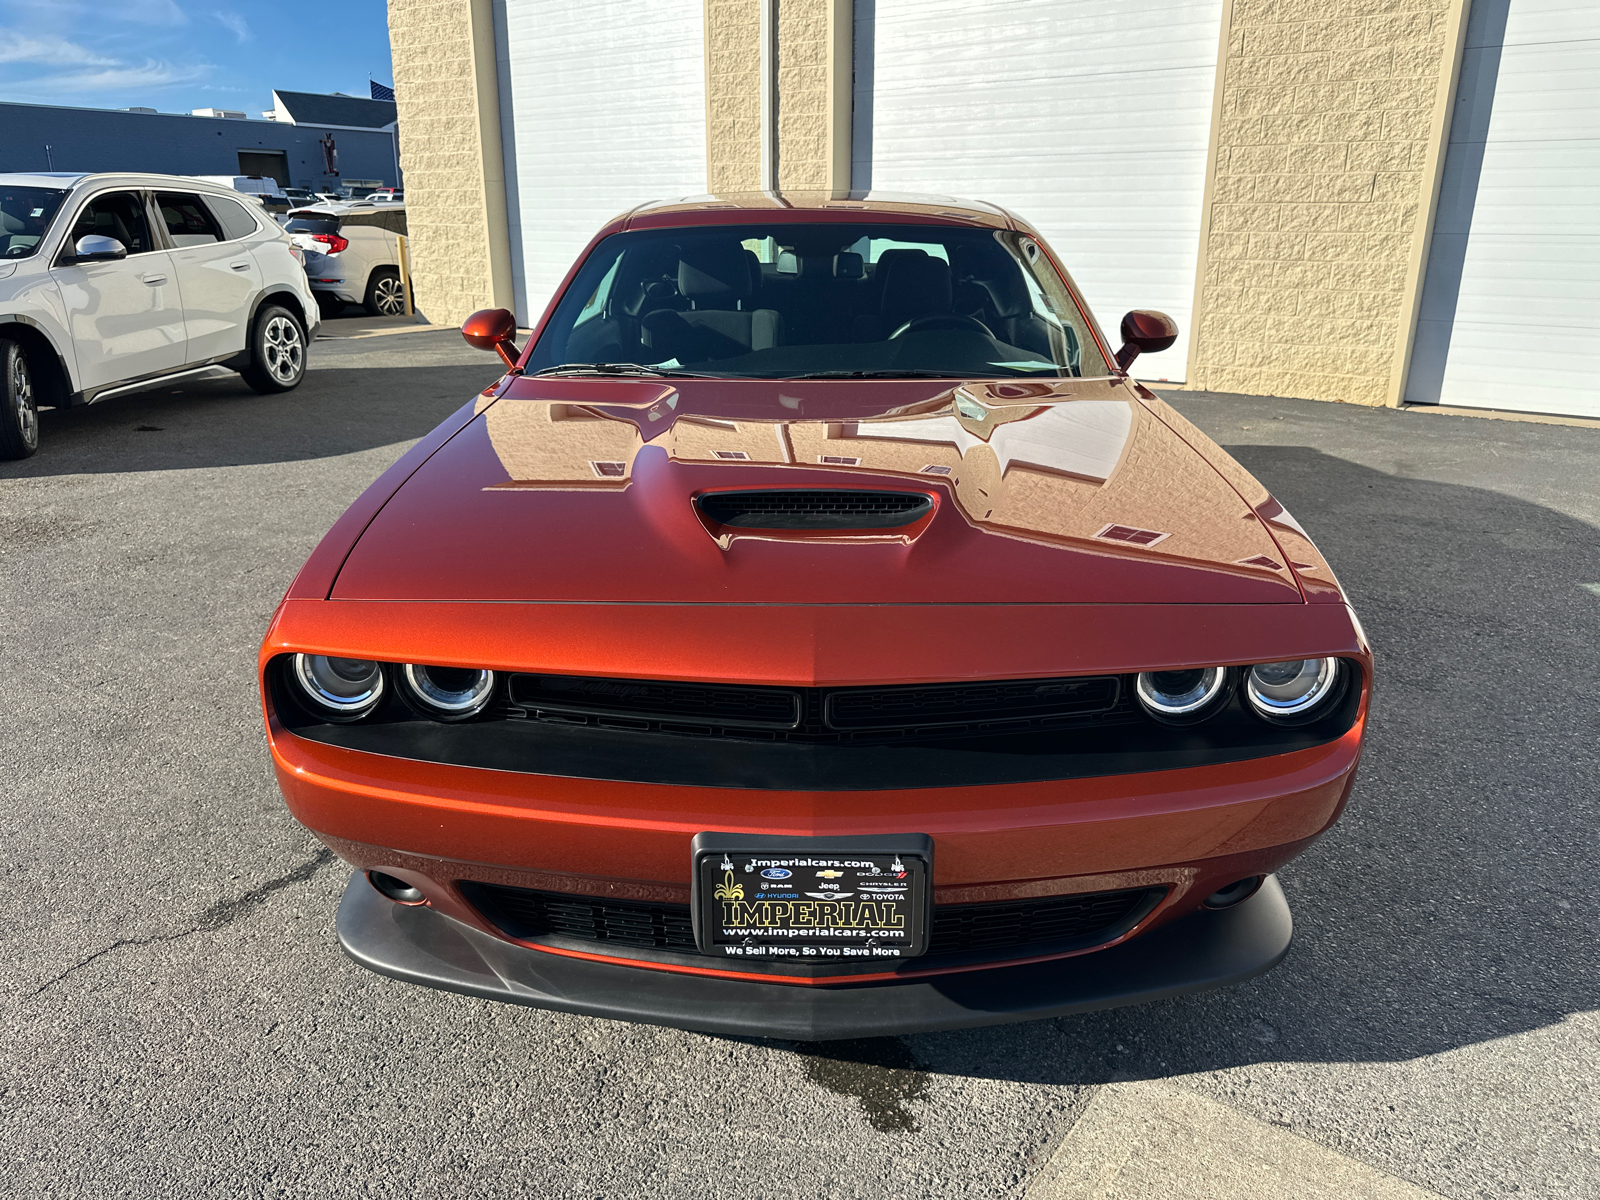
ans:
x=714 y=277
x=915 y=284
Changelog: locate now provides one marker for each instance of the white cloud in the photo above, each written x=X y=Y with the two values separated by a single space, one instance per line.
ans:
x=234 y=24
x=152 y=74
x=51 y=51
x=147 y=12
x=136 y=12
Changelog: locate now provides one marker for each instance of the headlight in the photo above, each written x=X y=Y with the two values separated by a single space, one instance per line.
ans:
x=446 y=693
x=340 y=689
x=1180 y=697
x=1289 y=692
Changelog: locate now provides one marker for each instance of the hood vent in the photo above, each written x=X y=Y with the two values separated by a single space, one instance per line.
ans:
x=815 y=508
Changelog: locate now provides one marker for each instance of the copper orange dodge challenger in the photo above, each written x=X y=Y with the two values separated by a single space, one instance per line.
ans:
x=816 y=633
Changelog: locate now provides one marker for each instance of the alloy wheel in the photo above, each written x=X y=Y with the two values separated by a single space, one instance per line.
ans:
x=389 y=296
x=283 y=349
x=22 y=397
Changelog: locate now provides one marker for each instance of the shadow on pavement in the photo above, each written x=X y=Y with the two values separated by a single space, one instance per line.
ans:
x=1453 y=903
x=218 y=422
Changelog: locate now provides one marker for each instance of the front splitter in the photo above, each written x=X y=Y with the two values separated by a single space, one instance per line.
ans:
x=1195 y=953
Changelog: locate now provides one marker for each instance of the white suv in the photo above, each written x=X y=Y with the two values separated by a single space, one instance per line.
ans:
x=352 y=254
x=109 y=283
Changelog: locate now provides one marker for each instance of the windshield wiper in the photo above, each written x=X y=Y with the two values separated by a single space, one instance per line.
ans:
x=910 y=374
x=617 y=369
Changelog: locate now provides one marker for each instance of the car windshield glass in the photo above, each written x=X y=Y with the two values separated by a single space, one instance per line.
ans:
x=783 y=301
x=25 y=214
x=312 y=225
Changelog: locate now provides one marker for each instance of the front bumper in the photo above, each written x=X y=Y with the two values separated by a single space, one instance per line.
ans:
x=1194 y=953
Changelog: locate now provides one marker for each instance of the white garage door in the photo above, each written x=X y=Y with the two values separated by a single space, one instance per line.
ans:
x=1089 y=118
x=1510 y=313
x=602 y=107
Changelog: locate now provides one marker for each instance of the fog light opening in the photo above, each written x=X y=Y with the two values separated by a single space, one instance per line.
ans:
x=397 y=890
x=1235 y=893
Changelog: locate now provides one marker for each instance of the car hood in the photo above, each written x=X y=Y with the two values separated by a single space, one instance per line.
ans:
x=583 y=490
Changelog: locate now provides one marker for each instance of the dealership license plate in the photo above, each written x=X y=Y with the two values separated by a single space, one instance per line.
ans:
x=812 y=900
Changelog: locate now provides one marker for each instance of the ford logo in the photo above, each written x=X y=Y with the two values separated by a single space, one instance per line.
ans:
x=775 y=873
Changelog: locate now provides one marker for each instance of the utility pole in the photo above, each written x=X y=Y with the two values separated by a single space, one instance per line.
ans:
x=49 y=157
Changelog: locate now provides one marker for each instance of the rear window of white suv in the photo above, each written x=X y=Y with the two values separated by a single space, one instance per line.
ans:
x=235 y=218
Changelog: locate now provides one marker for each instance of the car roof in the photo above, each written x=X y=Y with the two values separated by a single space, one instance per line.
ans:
x=344 y=206
x=77 y=179
x=737 y=208
x=48 y=179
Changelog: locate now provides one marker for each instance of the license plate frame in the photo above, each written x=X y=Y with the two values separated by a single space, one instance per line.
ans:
x=844 y=900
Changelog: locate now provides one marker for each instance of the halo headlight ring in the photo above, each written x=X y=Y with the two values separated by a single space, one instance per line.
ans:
x=1183 y=697
x=337 y=689
x=446 y=693
x=1294 y=692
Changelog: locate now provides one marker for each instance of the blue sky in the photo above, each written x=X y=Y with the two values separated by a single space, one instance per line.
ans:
x=178 y=55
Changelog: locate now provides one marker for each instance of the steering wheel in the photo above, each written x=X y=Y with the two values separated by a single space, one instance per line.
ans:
x=942 y=321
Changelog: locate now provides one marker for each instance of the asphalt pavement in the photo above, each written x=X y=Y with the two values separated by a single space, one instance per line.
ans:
x=178 y=1019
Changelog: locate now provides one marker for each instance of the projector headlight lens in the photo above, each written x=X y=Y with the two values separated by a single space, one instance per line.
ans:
x=1292 y=691
x=446 y=693
x=1180 y=697
x=340 y=689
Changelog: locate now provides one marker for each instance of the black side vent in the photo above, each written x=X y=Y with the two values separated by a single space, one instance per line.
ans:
x=815 y=508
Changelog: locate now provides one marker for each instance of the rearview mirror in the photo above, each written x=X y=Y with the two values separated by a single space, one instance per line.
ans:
x=1145 y=331
x=493 y=329
x=96 y=247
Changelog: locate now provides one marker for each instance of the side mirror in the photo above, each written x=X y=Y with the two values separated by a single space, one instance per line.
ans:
x=493 y=329
x=95 y=247
x=1145 y=331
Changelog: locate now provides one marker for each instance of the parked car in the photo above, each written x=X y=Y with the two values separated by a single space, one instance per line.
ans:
x=113 y=282
x=816 y=633
x=352 y=255
x=387 y=195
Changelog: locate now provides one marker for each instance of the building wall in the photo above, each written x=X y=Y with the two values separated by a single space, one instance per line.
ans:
x=733 y=95
x=444 y=63
x=96 y=139
x=1329 y=123
x=810 y=88
x=1330 y=126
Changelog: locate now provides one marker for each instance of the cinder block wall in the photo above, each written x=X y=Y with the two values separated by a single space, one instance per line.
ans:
x=454 y=179
x=1331 y=121
x=812 y=94
x=803 y=143
x=733 y=95
x=1328 y=135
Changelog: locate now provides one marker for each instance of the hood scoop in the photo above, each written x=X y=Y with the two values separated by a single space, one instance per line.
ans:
x=801 y=510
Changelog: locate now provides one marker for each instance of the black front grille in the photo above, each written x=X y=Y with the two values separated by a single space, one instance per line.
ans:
x=526 y=914
x=957 y=928
x=708 y=703
x=957 y=703
x=962 y=927
x=917 y=712
x=815 y=508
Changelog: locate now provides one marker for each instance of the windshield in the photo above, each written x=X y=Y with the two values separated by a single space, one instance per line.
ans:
x=25 y=214
x=788 y=301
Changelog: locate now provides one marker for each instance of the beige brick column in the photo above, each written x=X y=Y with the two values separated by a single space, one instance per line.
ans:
x=1328 y=142
x=449 y=111
x=811 y=90
x=733 y=95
